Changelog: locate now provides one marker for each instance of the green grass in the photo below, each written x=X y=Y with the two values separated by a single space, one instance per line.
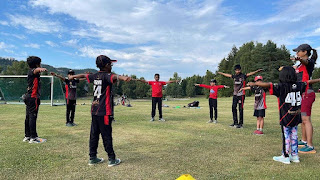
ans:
x=185 y=143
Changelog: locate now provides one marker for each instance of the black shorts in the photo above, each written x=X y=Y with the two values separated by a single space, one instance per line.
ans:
x=259 y=113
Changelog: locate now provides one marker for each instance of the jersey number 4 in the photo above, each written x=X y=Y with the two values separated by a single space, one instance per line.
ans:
x=97 y=91
x=294 y=98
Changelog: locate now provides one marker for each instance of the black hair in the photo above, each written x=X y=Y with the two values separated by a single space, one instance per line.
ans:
x=71 y=72
x=100 y=62
x=314 y=54
x=157 y=74
x=288 y=75
x=33 y=61
x=237 y=67
x=213 y=80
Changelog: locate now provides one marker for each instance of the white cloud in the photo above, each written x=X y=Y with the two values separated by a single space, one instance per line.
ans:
x=50 y=43
x=71 y=43
x=6 y=47
x=35 y=24
x=172 y=36
x=4 y=23
x=32 y=45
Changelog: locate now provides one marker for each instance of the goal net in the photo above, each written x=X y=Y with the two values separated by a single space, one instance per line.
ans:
x=12 y=87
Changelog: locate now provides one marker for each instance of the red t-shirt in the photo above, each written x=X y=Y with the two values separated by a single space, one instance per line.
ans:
x=157 y=88
x=213 y=90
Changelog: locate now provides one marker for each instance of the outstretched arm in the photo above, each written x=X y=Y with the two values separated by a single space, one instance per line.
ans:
x=116 y=77
x=225 y=74
x=39 y=70
x=78 y=76
x=254 y=72
x=56 y=75
x=261 y=84
x=245 y=88
x=172 y=81
x=314 y=81
x=141 y=80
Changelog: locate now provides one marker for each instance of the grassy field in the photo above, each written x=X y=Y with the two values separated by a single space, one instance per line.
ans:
x=185 y=143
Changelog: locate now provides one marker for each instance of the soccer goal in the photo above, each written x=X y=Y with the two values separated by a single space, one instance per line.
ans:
x=12 y=87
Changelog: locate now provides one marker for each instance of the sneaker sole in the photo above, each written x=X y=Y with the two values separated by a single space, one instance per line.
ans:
x=282 y=162
x=111 y=165
x=308 y=152
x=296 y=161
x=96 y=163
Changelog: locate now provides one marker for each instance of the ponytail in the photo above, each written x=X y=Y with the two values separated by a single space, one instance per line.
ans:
x=314 y=55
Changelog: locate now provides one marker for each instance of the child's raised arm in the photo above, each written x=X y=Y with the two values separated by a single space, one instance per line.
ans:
x=225 y=74
x=78 y=76
x=39 y=70
x=245 y=88
x=56 y=75
x=259 y=83
x=122 y=78
x=312 y=81
x=254 y=72
x=141 y=80
x=172 y=81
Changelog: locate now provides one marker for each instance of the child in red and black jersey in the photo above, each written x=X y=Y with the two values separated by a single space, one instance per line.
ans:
x=213 y=104
x=102 y=108
x=304 y=73
x=259 y=104
x=239 y=81
x=289 y=92
x=32 y=100
x=71 y=96
x=156 y=86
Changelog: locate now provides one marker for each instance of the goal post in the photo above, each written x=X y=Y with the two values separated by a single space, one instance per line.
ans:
x=12 y=87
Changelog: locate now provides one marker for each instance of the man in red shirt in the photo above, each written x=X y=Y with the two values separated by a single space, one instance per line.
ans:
x=213 y=98
x=157 y=95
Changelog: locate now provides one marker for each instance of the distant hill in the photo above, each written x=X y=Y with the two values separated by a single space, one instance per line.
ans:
x=5 y=62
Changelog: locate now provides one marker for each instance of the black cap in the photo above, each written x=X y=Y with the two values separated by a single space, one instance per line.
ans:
x=237 y=67
x=70 y=71
x=102 y=60
x=213 y=80
x=303 y=47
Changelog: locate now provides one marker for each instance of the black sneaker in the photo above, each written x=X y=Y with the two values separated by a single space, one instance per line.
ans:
x=114 y=162
x=233 y=125
x=73 y=124
x=239 y=126
x=96 y=161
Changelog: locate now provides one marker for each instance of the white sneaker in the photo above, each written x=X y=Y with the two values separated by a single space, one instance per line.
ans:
x=26 y=139
x=215 y=121
x=37 y=140
x=152 y=119
x=161 y=119
x=285 y=160
x=294 y=159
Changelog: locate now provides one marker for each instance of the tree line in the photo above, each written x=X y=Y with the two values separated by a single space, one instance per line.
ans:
x=251 y=56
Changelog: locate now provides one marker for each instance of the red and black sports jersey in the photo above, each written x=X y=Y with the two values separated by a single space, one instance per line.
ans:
x=239 y=81
x=34 y=85
x=259 y=97
x=289 y=99
x=71 y=88
x=304 y=72
x=102 y=104
x=213 y=90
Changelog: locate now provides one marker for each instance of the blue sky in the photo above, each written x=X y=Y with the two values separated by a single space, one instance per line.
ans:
x=147 y=37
